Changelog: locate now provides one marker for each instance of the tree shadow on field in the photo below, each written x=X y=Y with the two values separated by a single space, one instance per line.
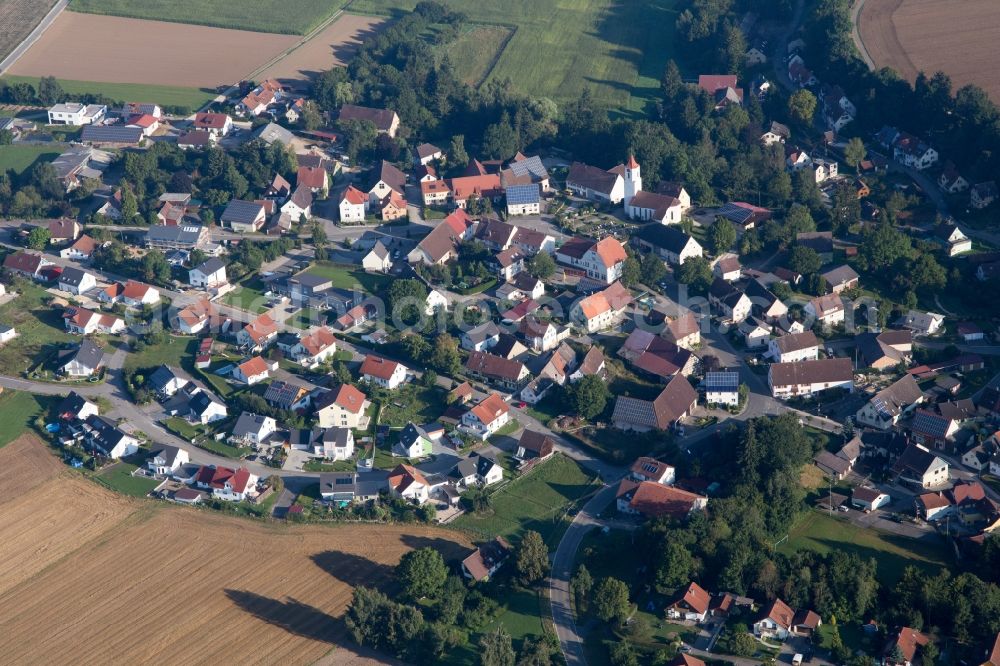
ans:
x=293 y=616
x=354 y=570
x=449 y=549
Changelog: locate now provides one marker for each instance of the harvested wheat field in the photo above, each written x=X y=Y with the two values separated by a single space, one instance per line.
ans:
x=19 y=18
x=957 y=37
x=181 y=585
x=88 y=47
x=24 y=464
x=333 y=46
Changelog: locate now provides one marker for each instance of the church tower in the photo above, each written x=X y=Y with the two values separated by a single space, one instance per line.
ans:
x=633 y=180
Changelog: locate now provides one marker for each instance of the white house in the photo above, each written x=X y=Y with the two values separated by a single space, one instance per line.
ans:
x=75 y=113
x=804 y=378
x=828 y=310
x=315 y=348
x=794 y=347
x=378 y=259
x=921 y=323
x=407 y=482
x=76 y=281
x=105 y=437
x=205 y=409
x=7 y=333
x=383 y=372
x=353 y=205
x=252 y=371
x=253 y=429
x=487 y=417
x=342 y=407
x=434 y=302
x=336 y=444
x=722 y=388
x=602 y=261
x=166 y=460
x=209 y=275
x=869 y=499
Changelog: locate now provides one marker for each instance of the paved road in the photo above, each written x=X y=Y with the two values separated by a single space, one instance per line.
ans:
x=33 y=36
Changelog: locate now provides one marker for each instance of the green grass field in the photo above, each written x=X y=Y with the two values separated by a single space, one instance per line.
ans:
x=172 y=352
x=618 y=49
x=343 y=277
x=39 y=329
x=536 y=501
x=119 y=478
x=19 y=411
x=823 y=533
x=295 y=17
x=20 y=158
x=418 y=404
x=475 y=51
x=188 y=98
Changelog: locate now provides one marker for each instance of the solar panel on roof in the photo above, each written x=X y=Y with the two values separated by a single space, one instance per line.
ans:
x=735 y=213
x=722 y=380
x=522 y=194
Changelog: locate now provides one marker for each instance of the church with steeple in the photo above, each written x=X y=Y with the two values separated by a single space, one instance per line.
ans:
x=648 y=206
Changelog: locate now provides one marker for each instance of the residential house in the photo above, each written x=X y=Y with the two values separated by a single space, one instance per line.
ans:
x=727 y=267
x=76 y=113
x=723 y=88
x=353 y=205
x=384 y=182
x=840 y=279
x=506 y=373
x=684 y=331
x=435 y=302
x=655 y=500
x=227 y=484
x=674 y=402
x=540 y=336
x=804 y=378
x=776 y=133
x=167 y=380
x=886 y=407
x=195 y=317
x=335 y=444
x=81 y=250
x=775 y=621
x=252 y=371
x=904 y=648
x=476 y=470
x=253 y=429
x=592 y=364
x=602 y=260
x=487 y=417
x=287 y=395
x=952 y=239
x=911 y=151
x=74 y=407
x=691 y=605
x=794 y=347
x=427 y=153
x=383 y=372
x=755 y=332
x=651 y=469
x=165 y=460
x=342 y=407
x=669 y=243
x=27 y=264
x=970 y=332
x=315 y=348
x=602 y=309
x=386 y=121
x=481 y=338
x=243 y=216
x=534 y=445
x=378 y=259
x=652 y=355
x=522 y=287
x=205 y=408
x=869 y=499
x=299 y=206
x=921 y=323
x=112 y=136
x=435 y=192
x=486 y=560
x=83 y=360
x=827 y=310
x=258 y=334
x=414 y=442
x=441 y=245
x=523 y=200
x=136 y=294
x=63 y=231
x=733 y=304
x=211 y=274
x=81 y=321
x=918 y=467
x=76 y=281
x=877 y=351
x=764 y=303
x=722 y=388
x=215 y=124
x=344 y=488
x=409 y=483
x=163 y=237
x=823 y=169
x=951 y=181
x=104 y=436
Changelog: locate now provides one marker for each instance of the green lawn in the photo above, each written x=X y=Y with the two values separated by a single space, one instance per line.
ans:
x=182 y=428
x=345 y=277
x=296 y=18
x=20 y=158
x=221 y=448
x=822 y=533
x=119 y=478
x=306 y=318
x=249 y=296
x=522 y=618
x=413 y=403
x=172 y=352
x=475 y=51
x=617 y=49
x=537 y=501
x=190 y=99
x=19 y=412
x=40 y=331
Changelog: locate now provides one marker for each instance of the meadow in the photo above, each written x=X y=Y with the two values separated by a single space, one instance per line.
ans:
x=181 y=97
x=291 y=17
x=19 y=18
x=20 y=158
x=617 y=49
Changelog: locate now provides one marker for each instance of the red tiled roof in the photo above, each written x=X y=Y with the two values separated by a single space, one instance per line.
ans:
x=135 y=290
x=254 y=366
x=354 y=196
x=490 y=409
x=311 y=177
x=780 y=613
x=696 y=598
x=350 y=398
x=210 y=120
x=376 y=366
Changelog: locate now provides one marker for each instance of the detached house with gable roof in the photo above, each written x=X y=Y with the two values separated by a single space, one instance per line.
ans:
x=601 y=261
x=408 y=483
x=487 y=417
x=674 y=402
x=342 y=407
x=383 y=372
x=693 y=604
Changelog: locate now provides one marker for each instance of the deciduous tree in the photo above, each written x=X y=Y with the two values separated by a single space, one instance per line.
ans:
x=422 y=572
x=532 y=557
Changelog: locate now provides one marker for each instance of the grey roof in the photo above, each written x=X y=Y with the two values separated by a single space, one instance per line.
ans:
x=87 y=354
x=337 y=436
x=380 y=250
x=523 y=194
x=72 y=276
x=302 y=197
x=71 y=160
x=72 y=403
x=891 y=400
x=840 y=275
x=462 y=469
x=201 y=401
x=168 y=453
x=664 y=236
x=530 y=166
x=163 y=375
x=105 y=434
x=410 y=434
x=241 y=211
x=111 y=134
x=211 y=266
x=248 y=423
x=271 y=132
x=483 y=332
x=187 y=234
x=591 y=178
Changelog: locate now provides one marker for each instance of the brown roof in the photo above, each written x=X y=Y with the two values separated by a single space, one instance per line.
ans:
x=62 y=229
x=85 y=245
x=391 y=176
x=311 y=177
x=591 y=178
x=908 y=641
x=780 y=613
x=806 y=618
x=681 y=327
x=318 y=341
x=261 y=328
x=376 y=366
x=794 y=342
x=537 y=442
x=824 y=305
x=463 y=390
x=592 y=362
x=487 y=186
x=210 y=120
x=654 y=499
x=484 y=558
x=994 y=658
x=23 y=262
x=696 y=598
x=404 y=476
x=812 y=372
x=490 y=365
x=674 y=401
x=683 y=659
x=381 y=117
x=490 y=409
